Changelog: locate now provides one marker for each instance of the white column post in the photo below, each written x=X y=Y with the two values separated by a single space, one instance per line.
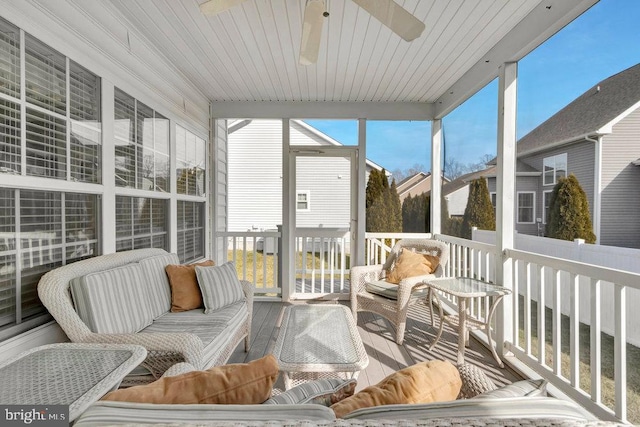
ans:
x=288 y=216
x=505 y=197
x=597 y=189
x=108 y=169
x=436 y=176
x=173 y=189
x=362 y=189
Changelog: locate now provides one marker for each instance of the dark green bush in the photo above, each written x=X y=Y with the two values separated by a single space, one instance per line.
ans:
x=569 y=216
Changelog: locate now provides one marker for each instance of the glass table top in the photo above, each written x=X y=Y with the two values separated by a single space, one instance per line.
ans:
x=467 y=287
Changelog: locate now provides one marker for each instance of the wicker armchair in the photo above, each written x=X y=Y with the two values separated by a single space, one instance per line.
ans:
x=394 y=310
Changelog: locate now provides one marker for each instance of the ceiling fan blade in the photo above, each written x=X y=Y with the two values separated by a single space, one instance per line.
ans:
x=395 y=17
x=311 y=31
x=214 y=7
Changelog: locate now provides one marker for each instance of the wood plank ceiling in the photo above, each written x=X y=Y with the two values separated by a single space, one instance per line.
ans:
x=244 y=61
x=250 y=53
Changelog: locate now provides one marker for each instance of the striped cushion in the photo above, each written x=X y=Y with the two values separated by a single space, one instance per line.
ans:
x=113 y=301
x=219 y=285
x=518 y=389
x=111 y=413
x=324 y=392
x=159 y=291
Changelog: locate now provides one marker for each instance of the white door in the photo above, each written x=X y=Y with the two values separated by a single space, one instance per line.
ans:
x=322 y=200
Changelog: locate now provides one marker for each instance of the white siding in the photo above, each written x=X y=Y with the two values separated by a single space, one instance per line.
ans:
x=620 y=224
x=457 y=201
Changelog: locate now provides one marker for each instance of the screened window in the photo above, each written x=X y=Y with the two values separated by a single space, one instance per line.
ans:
x=555 y=167
x=9 y=59
x=303 y=202
x=141 y=222
x=61 y=143
x=191 y=162
x=191 y=231
x=55 y=229
x=142 y=145
x=526 y=207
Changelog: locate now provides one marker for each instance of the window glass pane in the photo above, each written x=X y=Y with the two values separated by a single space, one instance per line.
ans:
x=141 y=223
x=45 y=73
x=190 y=231
x=561 y=166
x=201 y=155
x=46 y=145
x=190 y=162
x=7 y=257
x=525 y=207
x=9 y=59
x=86 y=129
x=549 y=166
x=81 y=215
x=547 y=203
x=124 y=133
x=9 y=137
x=144 y=138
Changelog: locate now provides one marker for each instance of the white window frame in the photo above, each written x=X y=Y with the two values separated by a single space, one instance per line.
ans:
x=544 y=205
x=533 y=213
x=553 y=162
x=493 y=196
x=308 y=201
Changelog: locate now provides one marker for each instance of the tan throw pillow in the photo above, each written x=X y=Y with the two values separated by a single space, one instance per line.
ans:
x=432 y=381
x=185 y=292
x=242 y=383
x=411 y=264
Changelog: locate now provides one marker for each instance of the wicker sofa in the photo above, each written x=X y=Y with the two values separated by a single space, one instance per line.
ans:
x=138 y=278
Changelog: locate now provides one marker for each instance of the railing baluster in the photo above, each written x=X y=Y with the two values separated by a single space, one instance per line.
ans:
x=516 y=302
x=574 y=336
x=620 y=351
x=542 y=345
x=557 y=323
x=527 y=309
x=596 y=342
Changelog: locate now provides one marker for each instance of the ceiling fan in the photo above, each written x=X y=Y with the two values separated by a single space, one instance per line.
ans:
x=391 y=14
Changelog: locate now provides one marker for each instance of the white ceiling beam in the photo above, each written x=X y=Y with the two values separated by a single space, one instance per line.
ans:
x=544 y=21
x=322 y=110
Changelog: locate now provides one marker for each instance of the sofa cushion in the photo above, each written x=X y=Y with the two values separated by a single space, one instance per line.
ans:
x=113 y=301
x=432 y=381
x=159 y=293
x=323 y=392
x=476 y=410
x=522 y=388
x=214 y=330
x=112 y=413
x=185 y=293
x=238 y=383
x=219 y=285
x=411 y=264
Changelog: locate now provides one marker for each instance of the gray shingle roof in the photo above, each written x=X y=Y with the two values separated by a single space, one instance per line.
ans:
x=588 y=113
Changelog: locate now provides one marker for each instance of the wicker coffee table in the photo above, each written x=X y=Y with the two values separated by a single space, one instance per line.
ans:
x=318 y=341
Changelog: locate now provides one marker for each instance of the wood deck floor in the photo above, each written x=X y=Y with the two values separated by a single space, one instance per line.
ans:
x=385 y=356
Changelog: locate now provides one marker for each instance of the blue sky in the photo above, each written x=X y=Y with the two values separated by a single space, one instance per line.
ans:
x=603 y=41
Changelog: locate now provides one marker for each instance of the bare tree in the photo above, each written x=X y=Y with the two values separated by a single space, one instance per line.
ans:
x=400 y=174
x=453 y=168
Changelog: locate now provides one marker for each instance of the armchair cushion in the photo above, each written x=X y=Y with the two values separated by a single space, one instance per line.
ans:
x=113 y=301
x=185 y=293
x=219 y=285
x=518 y=389
x=432 y=381
x=410 y=264
x=383 y=288
x=241 y=383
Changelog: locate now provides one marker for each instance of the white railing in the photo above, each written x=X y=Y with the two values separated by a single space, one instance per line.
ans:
x=567 y=289
x=576 y=295
x=322 y=262
x=255 y=254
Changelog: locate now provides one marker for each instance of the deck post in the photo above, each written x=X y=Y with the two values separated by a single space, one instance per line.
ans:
x=288 y=216
x=436 y=176
x=505 y=200
x=361 y=219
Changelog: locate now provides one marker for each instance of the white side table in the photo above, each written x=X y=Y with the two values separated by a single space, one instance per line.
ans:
x=465 y=288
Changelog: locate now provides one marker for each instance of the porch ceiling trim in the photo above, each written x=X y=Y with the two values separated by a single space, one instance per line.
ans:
x=322 y=110
x=541 y=23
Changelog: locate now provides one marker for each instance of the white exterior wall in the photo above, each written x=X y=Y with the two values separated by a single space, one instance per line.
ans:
x=255 y=179
x=457 y=201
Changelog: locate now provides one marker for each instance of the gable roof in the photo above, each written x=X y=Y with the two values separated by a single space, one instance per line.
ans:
x=410 y=181
x=464 y=180
x=591 y=113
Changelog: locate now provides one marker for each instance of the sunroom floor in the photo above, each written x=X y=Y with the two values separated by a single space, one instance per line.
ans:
x=385 y=356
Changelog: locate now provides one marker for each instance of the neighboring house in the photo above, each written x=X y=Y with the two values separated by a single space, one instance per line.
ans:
x=456 y=192
x=255 y=178
x=597 y=138
x=413 y=185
